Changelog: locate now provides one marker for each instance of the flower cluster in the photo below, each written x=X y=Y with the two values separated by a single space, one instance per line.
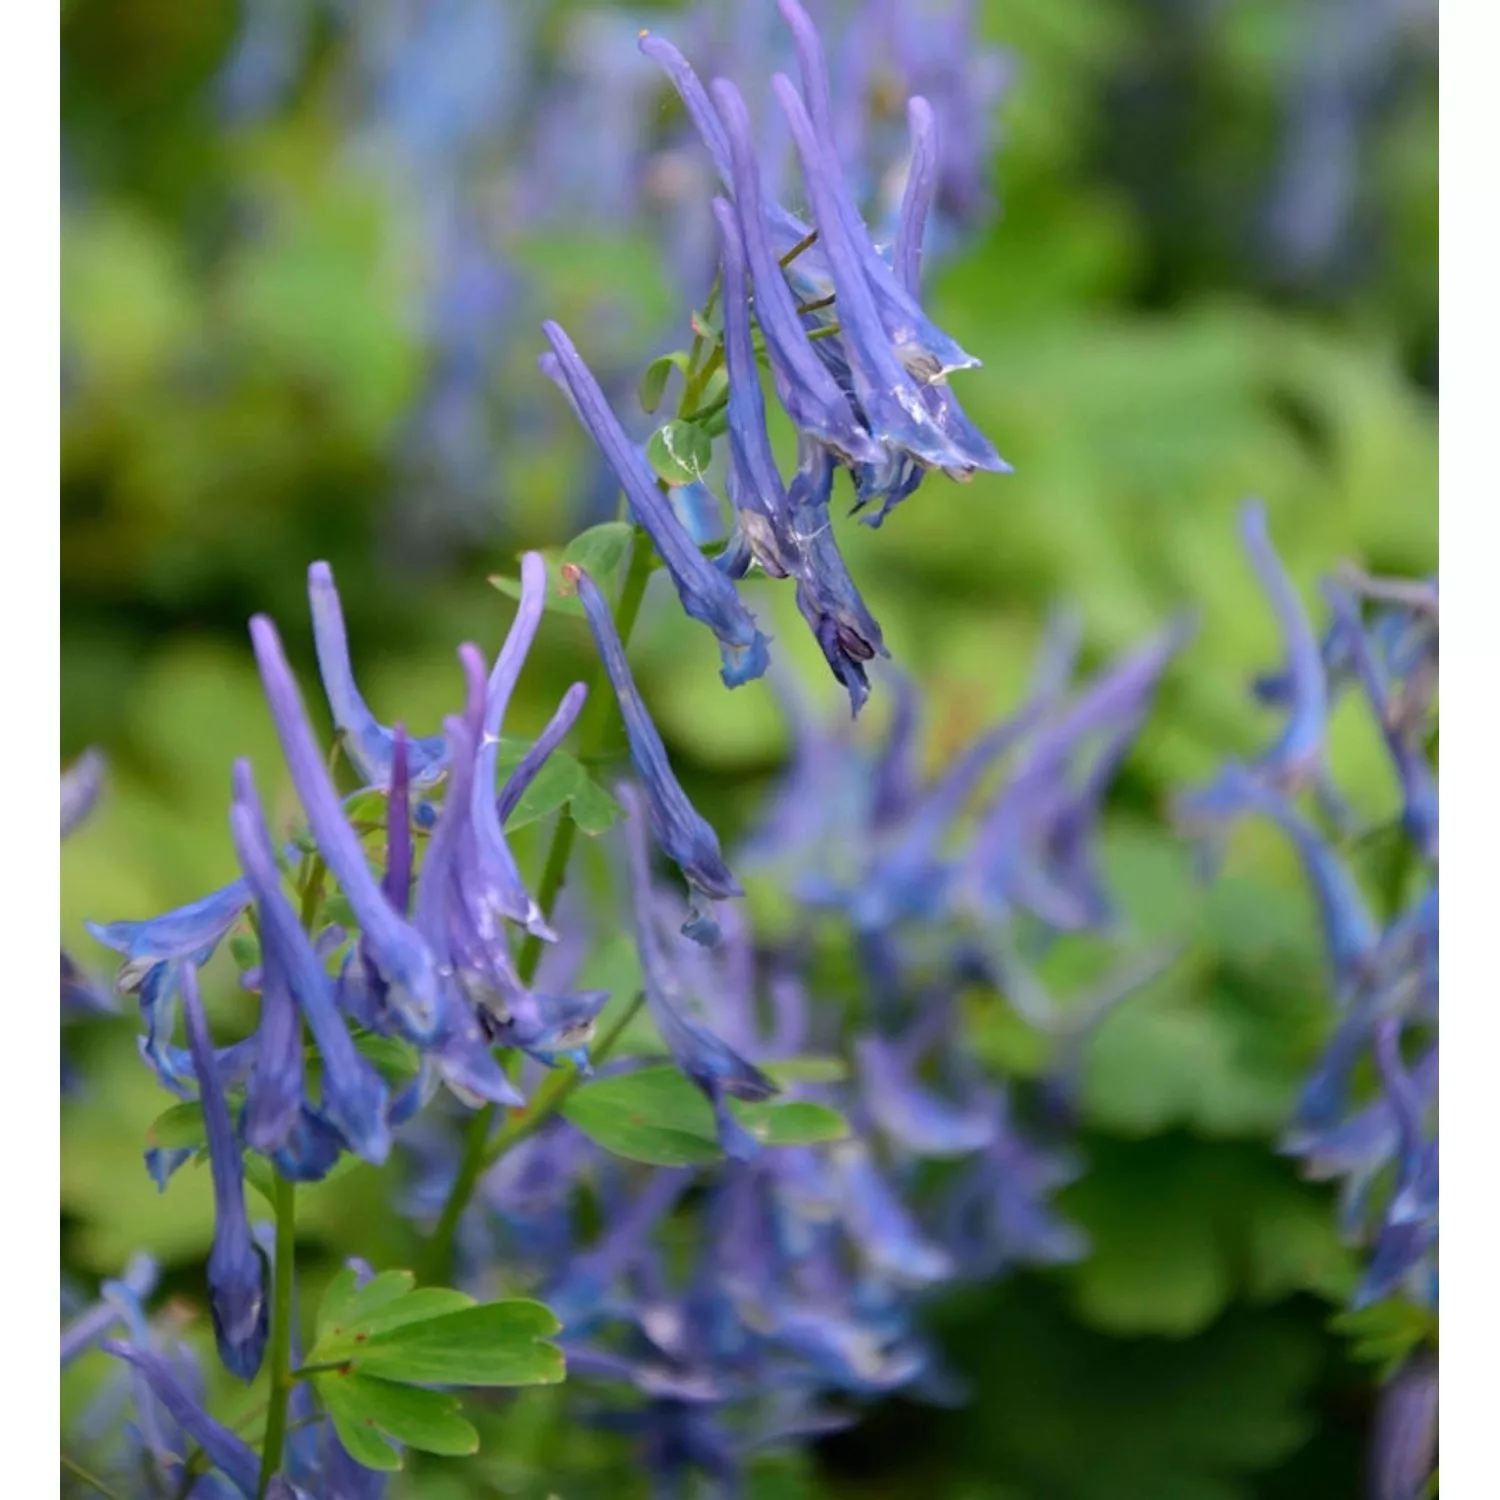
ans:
x=794 y=1288
x=492 y=130
x=858 y=367
x=1379 y=1144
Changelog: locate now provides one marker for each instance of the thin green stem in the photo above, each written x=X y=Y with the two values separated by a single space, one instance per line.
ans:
x=280 y=1353
x=437 y=1261
x=83 y=1476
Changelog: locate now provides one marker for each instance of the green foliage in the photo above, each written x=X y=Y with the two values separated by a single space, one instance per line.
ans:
x=602 y=551
x=680 y=452
x=378 y=1346
x=655 y=1115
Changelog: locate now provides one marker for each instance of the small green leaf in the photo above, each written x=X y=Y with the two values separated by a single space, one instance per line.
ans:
x=679 y=452
x=557 y=782
x=178 y=1128
x=601 y=549
x=593 y=809
x=657 y=1116
x=1385 y=1333
x=429 y=1420
x=355 y=1427
x=496 y=1343
x=654 y=378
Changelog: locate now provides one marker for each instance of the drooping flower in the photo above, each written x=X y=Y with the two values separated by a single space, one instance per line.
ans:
x=353 y=1095
x=717 y=1069
x=683 y=834
x=706 y=594
x=236 y=1274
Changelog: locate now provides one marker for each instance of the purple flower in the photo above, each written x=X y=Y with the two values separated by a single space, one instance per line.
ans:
x=545 y=743
x=683 y=834
x=706 y=594
x=719 y=1071
x=500 y=893
x=1297 y=758
x=392 y=946
x=236 y=1274
x=353 y=1094
x=154 y=951
x=367 y=744
x=806 y=389
x=913 y=1117
x=228 y=1453
x=788 y=533
x=118 y=1302
x=82 y=783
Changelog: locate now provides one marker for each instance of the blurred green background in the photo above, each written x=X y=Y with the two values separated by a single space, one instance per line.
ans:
x=250 y=358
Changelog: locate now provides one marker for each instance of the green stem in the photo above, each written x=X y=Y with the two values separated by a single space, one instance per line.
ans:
x=281 y=1333
x=83 y=1476
x=437 y=1261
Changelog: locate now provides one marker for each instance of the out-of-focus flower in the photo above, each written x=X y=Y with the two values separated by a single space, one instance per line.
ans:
x=1380 y=1143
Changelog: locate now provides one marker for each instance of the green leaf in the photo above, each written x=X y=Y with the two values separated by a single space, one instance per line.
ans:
x=654 y=377
x=601 y=549
x=1386 y=1333
x=355 y=1427
x=556 y=784
x=429 y=1420
x=178 y=1128
x=496 y=1343
x=657 y=1116
x=680 y=452
x=593 y=809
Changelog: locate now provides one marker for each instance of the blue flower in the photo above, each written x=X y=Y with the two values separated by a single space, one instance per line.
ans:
x=684 y=835
x=368 y=744
x=353 y=1094
x=911 y=1116
x=1297 y=758
x=229 y=1454
x=921 y=347
x=706 y=594
x=546 y=742
x=805 y=388
x=1401 y=730
x=82 y=783
x=715 y=1067
x=236 y=1275
x=502 y=893
x=884 y=1232
x=1406 y=1430
x=787 y=532
x=118 y=1302
x=445 y=919
x=154 y=951
x=393 y=946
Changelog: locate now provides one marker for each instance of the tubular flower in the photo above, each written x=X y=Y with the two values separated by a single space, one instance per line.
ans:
x=236 y=1273
x=683 y=834
x=706 y=594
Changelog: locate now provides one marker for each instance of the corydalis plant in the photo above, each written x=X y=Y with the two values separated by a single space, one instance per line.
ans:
x=1367 y=1115
x=857 y=365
